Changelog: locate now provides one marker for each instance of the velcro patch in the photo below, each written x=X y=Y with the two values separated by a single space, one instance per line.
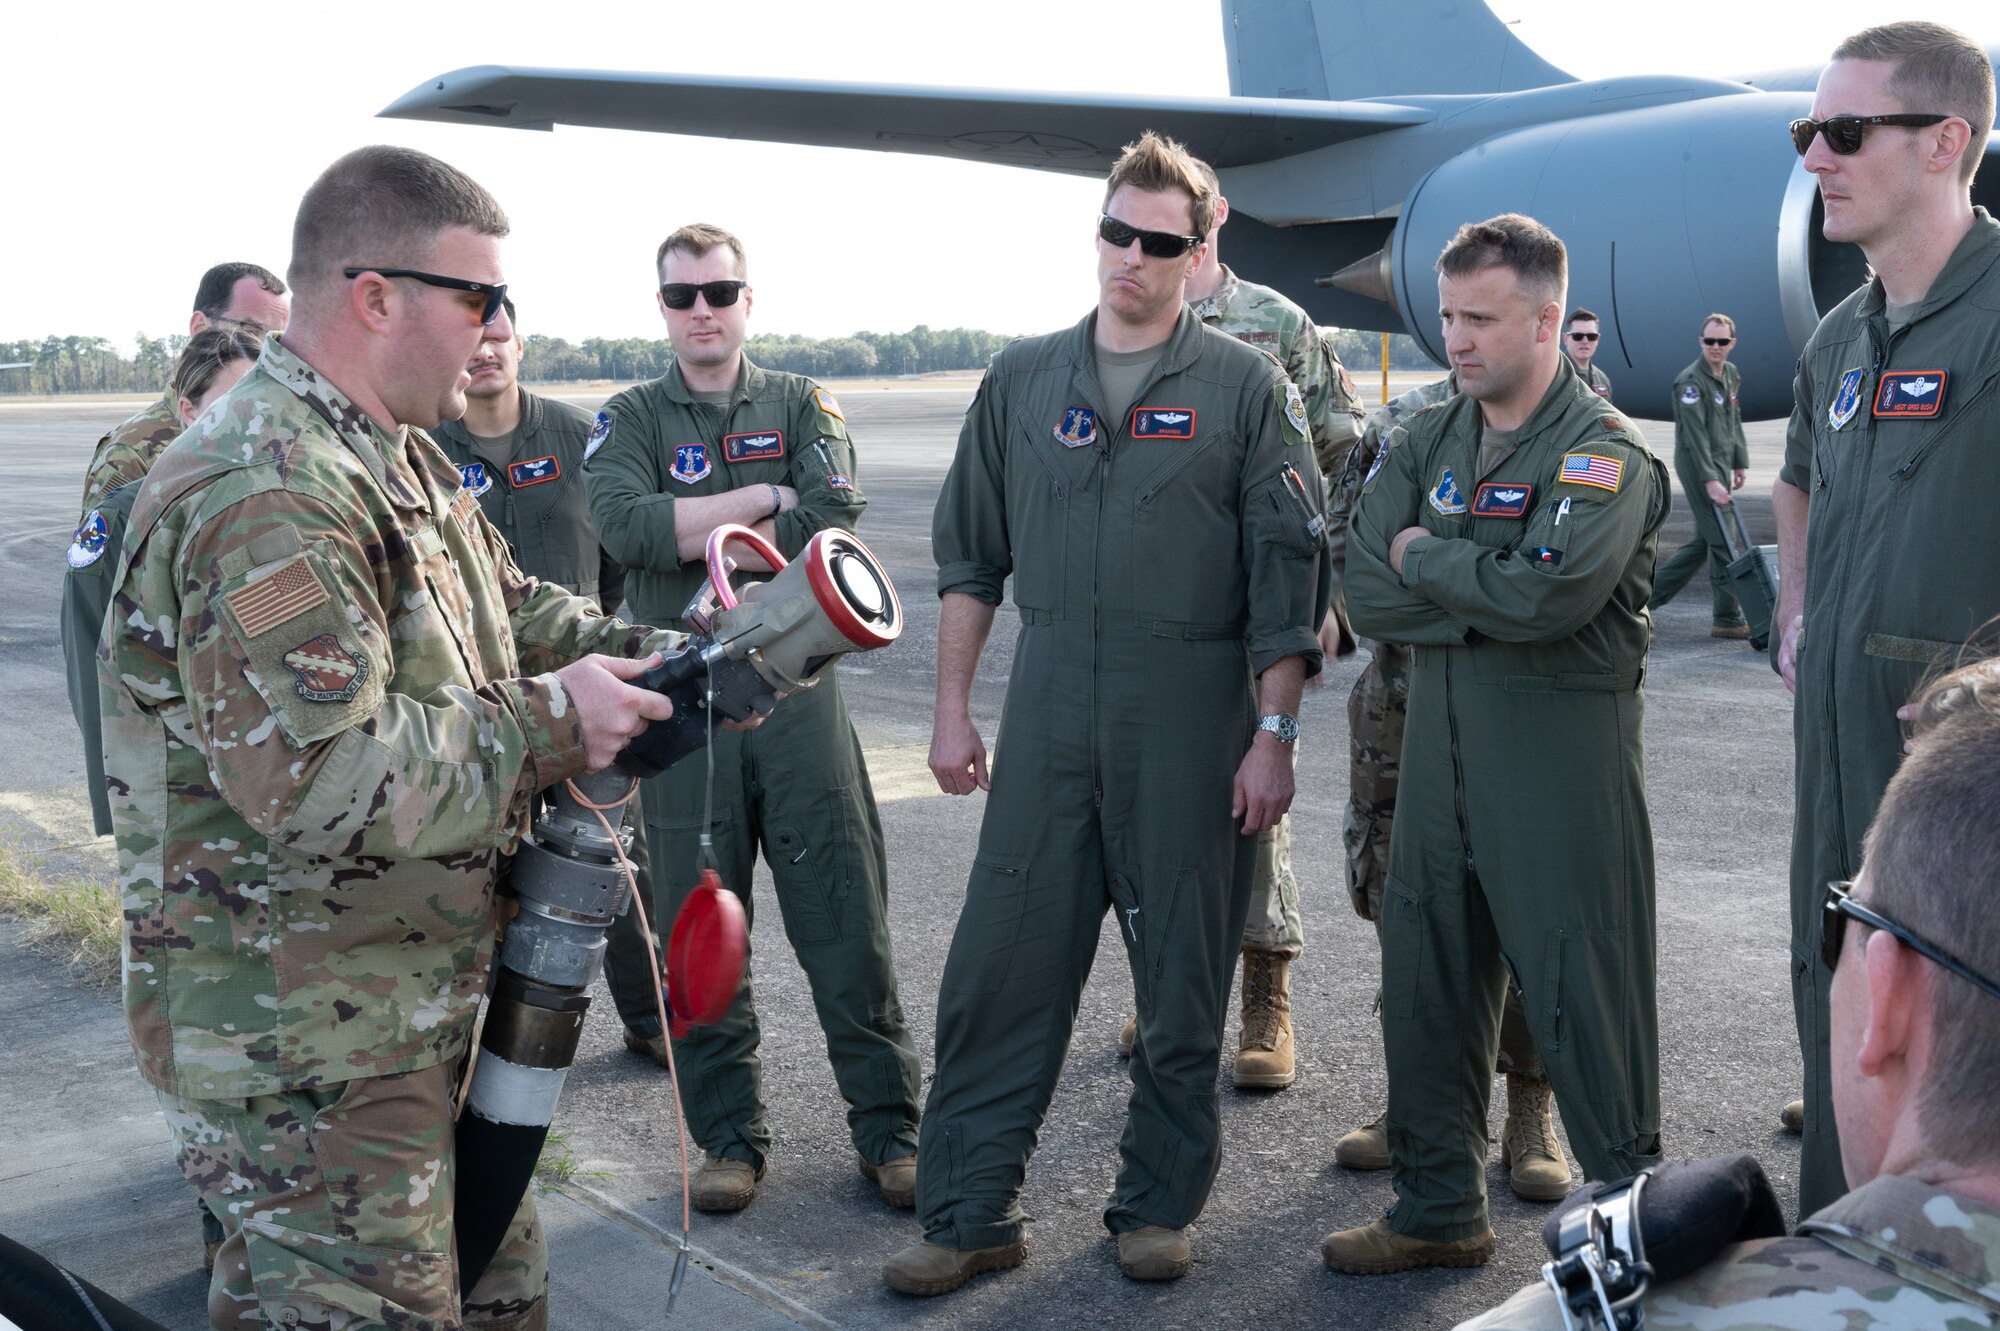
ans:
x=533 y=472
x=1497 y=499
x=829 y=404
x=1445 y=497
x=284 y=594
x=599 y=433
x=1163 y=422
x=1079 y=427
x=1592 y=469
x=753 y=447
x=472 y=476
x=464 y=507
x=326 y=670
x=1910 y=394
x=691 y=463
x=87 y=546
x=835 y=481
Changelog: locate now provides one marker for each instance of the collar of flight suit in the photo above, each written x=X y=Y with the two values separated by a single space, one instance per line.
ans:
x=1976 y=253
x=1549 y=410
x=1909 y=1226
x=1215 y=305
x=1182 y=350
x=383 y=455
x=749 y=383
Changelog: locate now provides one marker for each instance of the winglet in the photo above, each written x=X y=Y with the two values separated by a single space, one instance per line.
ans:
x=1351 y=49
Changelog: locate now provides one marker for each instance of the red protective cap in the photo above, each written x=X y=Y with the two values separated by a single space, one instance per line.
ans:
x=705 y=954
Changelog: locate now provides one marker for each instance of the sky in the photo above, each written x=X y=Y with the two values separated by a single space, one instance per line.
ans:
x=144 y=142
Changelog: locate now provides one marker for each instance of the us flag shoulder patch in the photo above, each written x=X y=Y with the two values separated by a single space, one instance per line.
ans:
x=1592 y=469
x=277 y=598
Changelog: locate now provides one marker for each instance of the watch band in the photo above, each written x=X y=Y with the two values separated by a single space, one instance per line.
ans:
x=777 y=502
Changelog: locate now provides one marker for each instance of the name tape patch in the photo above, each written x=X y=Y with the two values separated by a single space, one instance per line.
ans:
x=1163 y=422
x=753 y=447
x=1910 y=394
x=533 y=472
x=1496 y=499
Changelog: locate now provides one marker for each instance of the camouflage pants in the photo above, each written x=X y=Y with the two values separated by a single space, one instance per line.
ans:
x=337 y=1204
x=1274 y=925
x=1375 y=714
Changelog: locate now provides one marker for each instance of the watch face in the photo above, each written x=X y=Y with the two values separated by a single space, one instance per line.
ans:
x=1281 y=724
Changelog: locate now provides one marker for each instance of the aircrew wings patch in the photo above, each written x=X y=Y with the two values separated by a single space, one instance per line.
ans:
x=1591 y=469
x=1163 y=422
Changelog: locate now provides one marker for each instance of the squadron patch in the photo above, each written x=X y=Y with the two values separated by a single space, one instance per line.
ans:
x=1444 y=496
x=1847 y=400
x=1163 y=422
x=1295 y=408
x=1499 y=500
x=829 y=404
x=1078 y=428
x=753 y=447
x=691 y=464
x=1910 y=394
x=1718 y=397
x=599 y=434
x=1592 y=469
x=835 y=481
x=472 y=476
x=1690 y=395
x=326 y=671
x=280 y=596
x=87 y=546
x=1375 y=467
x=534 y=471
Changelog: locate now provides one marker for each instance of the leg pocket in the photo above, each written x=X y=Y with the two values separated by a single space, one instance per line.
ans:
x=989 y=927
x=1402 y=930
x=808 y=859
x=306 y=1279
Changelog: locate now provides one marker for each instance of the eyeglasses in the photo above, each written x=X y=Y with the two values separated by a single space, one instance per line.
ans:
x=1833 y=923
x=1153 y=244
x=1843 y=133
x=494 y=292
x=719 y=295
x=1718 y=341
x=1583 y=337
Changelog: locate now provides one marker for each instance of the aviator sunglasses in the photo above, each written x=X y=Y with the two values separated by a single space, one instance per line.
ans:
x=1583 y=337
x=1840 y=904
x=1717 y=341
x=494 y=292
x=680 y=295
x=1843 y=133
x=1153 y=244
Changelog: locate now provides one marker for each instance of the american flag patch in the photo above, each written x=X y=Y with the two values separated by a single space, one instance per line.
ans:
x=1590 y=469
x=283 y=595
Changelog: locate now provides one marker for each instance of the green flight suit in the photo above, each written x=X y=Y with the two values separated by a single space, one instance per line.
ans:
x=87 y=587
x=1599 y=381
x=538 y=501
x=796 y=787
x=1161 y=561
x=1522 y=846
x=1902 y=568
x=1708 y=446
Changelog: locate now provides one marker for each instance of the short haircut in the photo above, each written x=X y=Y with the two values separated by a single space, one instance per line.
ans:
x=385 y=205
x=1581 y=315
x=1939 y=70
x=1722 y=319
x=1933 y=863
x=696 y=239
x=218 y=285
x=1158 y=164
x=1511 y=241
x=208 y=351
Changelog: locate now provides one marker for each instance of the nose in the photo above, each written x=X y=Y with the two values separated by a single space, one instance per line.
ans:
x=1456 y=339
x=1819 y=158
x=500 y=330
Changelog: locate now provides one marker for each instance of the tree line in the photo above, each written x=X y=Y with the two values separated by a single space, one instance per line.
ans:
x=95 y=365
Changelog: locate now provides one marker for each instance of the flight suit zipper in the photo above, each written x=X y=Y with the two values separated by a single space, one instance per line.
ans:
x=1097 y=620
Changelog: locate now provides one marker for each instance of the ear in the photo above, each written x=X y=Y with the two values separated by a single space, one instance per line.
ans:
x=748 y=298
x=1548 y=324
x=187 y=413
x=1899 y=998
x=196 y=322
x=1221 y=213
x=1197 y=254
x=1953 y=139
x=374 y=302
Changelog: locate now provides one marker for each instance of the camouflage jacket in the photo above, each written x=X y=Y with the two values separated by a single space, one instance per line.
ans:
x=1895 y=1253
x=325 y=710
x=1268 y=321
x=130 y=450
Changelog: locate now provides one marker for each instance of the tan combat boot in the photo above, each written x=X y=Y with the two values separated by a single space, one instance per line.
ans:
x=1154 y=1252
x=895 y=1179
x=722 y=1184
x=1374 y=1249
x=1264 y=1060
x=1528 y=1146
x=647 y=1046
x=1128 y=1035
x=1367 y=1147
x=1792 y=1118
x=925 y=1269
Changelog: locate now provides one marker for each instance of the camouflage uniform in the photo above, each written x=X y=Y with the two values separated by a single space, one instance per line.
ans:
x=129 y=451
x=1268 y=321
x=320 y=735
x=1896 y=1255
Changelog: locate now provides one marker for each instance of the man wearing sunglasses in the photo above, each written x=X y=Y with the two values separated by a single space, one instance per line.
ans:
x=329 y=699
x=1889 y=557
x=719 y=439
x=1712 y=458
x=1581 y=334
x=1147 y=483
x=1913 y=950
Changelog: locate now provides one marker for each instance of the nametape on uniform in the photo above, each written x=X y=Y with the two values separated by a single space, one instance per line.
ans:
x=1444 y=496
x=691 y=463
x=285 y=593
x=533 y=472
x=1496 y=499
x=828 y=404
x=1591 y=469
x=326 y=670
x=1163 y=422
x=1078 y=427
x=599 y=432
x=86 y=547
x=753 y=447
x=464 y=507
x=1847 y=399
x=1910 y=394
x=1602 y=390
x=472 y=476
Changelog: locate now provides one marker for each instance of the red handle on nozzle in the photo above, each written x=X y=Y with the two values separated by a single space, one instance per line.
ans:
x=718 y=570
x=705 y=955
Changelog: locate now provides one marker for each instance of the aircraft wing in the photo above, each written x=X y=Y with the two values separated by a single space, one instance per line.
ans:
x=1070 y=132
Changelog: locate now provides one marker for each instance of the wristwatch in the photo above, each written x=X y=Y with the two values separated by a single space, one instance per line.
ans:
x=1282 y=724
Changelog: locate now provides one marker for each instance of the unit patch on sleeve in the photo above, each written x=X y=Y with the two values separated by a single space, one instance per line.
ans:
x=1910 y=394
x=599 y=433
x=282 y=595
x=1295 y=409
x=691 y=464
x=1591 y=469
x=533 y=472
x=1444 y=496
x=828 y=404
x=1496 y=499
x=1847 y=399
x=472 y=476
x=1163 y=422
x=1690 y=395
x=1078 y=428
x=327 y=671
x=86 y=547
x=753 y=447
x=835 y=481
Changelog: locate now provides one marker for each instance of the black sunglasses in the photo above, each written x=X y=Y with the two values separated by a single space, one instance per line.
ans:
x=1833 y=923
x=1717 y=341
x=1583 y=337
x=1843 y=133
x=680 y=295
x=1153 y=244
x=494 y=293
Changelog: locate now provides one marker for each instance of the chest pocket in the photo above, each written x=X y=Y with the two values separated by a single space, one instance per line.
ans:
x=1044 y=477
x=1187 y=514
x=1970 y=413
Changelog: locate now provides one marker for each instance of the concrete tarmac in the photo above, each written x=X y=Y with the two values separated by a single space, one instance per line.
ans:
x=84 y=1171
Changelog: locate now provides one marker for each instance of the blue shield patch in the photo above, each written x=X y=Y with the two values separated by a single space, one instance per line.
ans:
x=691 y=463
x=1444 y=496
x=86 y=547
x=1847 y=400
x=472 y=476
x=1163 y=422
x=599 y=432
x=1497 y=499
x=1078 y=428
x=753 y=447
x=533 y=472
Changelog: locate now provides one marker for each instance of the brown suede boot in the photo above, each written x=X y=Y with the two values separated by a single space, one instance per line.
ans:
x=1367 y=1147
x=1128 y=1035
x=1374 y=1249
x=1528 y=1146
x=1264 y=1060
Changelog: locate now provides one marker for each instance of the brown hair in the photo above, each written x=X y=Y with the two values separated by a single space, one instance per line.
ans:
x=1581 y=315
x=696 y=239
x=384 y=205
x=1939 y=70
x=218 y=285
x=1157 y=164
x=1511 y=241
x=1933 y=858
x=208 y=351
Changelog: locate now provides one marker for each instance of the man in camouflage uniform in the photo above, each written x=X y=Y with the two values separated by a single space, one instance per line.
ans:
x=1712 y=459
x=1376 y=709
x=1915 y=998
x=329 y=699
x=1581 y=337
x=229 y=293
